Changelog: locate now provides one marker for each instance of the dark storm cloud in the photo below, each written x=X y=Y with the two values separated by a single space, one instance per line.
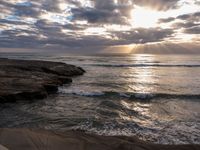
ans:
x=161 y=5
x=98 y=16
x=122 y=6
x=104 y=12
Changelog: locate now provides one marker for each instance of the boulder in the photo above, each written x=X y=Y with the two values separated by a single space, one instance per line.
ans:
x=31 y=79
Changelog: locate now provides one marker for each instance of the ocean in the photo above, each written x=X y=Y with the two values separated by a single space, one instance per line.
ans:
x=153 y=97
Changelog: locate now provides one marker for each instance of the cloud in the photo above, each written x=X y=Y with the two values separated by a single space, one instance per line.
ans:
x=141 y=35
x=45 y=34
x=193 y=30
x=197 y=2
x=190 y=23
x=26 y=9
x=180 y=25
x=161 y=5
x=168 y=48
x=98 y=16
x=166 y=20
x=73 y=24
x=20 y=8
x=191 y=17
x=19 y=39
x=104 y=12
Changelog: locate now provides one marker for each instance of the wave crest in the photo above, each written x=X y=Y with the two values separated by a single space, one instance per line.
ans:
x=145 y=65
x=130 y=95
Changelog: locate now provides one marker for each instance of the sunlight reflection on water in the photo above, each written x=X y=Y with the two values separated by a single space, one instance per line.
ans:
x=149 y=96
x=142 y=75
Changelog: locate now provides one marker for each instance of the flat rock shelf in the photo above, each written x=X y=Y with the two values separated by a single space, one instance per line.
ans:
x=32 y=79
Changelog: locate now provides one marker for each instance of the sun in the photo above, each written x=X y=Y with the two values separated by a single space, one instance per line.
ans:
x=144 y=17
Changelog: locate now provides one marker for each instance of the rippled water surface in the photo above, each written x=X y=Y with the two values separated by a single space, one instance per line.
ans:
x=155 y=97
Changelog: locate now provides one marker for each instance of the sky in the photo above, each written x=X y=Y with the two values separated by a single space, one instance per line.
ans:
x=100 y=26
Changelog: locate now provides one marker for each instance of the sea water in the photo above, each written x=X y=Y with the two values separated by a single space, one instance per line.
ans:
x=153 y=97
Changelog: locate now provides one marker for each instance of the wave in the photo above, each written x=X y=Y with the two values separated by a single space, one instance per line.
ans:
x=147 y=65
x=131 y=95
x=153 y=134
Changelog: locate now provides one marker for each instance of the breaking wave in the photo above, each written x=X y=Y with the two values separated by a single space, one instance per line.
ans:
x=131 y=95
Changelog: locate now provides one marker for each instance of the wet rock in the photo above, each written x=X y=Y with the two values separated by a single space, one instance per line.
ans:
x=31 y=79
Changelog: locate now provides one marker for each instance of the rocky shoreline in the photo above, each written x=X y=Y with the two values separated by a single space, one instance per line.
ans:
x=28 y=80
x=31 y=79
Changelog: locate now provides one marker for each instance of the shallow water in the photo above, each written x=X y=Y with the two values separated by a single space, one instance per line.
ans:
x=155 y=97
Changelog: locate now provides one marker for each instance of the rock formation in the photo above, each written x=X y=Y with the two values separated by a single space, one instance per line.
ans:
x=28 y=79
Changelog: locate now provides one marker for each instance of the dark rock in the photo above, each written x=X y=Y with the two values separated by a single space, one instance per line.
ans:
x=30 y=79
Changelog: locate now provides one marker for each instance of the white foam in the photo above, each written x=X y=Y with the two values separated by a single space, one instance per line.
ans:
x=80 y=92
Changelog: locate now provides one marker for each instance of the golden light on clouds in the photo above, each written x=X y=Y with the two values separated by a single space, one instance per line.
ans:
x=143 y=17
x=119 y=49
x=184 y=37
x=95 y=31
x=147 y=17
x=120 y=25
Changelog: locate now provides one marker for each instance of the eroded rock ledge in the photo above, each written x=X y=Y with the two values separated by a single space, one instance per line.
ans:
x=31 y=79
